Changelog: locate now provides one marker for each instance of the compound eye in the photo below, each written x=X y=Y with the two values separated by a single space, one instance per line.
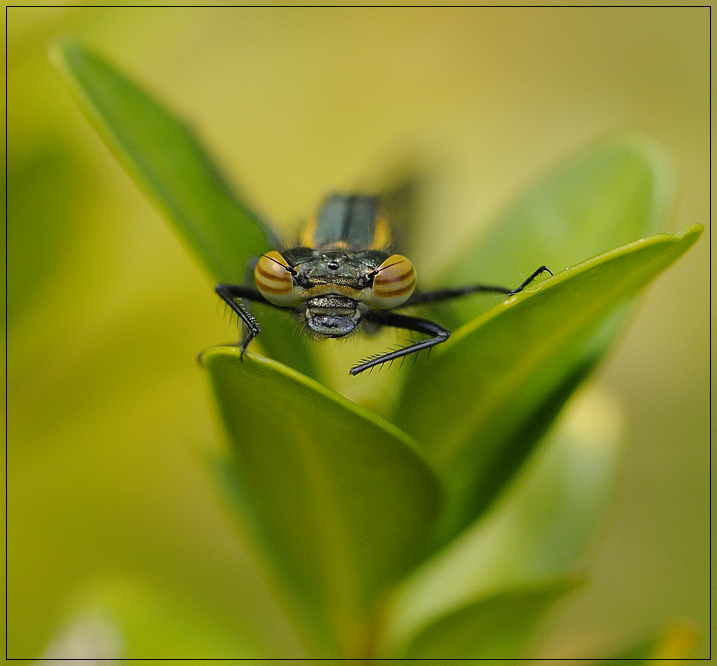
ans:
x=273 y=279
x=394 y=282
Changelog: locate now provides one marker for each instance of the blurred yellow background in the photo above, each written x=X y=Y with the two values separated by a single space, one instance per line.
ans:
x=109 y=419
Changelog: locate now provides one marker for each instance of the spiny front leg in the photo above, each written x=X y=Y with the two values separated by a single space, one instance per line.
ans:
x=229 y=293
x=386 y=318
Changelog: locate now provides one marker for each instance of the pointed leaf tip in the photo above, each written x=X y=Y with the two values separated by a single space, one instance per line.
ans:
x=167 y=161
x=512 y=368
x=499 y=626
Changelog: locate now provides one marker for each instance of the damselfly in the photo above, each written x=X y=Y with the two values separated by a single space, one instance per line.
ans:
x=342 y=274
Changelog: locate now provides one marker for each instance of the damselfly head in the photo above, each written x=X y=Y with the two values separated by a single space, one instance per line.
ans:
x=340 y=271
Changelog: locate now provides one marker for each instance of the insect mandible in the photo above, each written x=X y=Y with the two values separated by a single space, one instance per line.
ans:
x=342 y=274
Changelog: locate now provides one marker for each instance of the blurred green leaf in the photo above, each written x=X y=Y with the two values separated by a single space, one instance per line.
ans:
x=674 y=644
x=537 y=528
x=509 y=365
x=132 y=621
x=616 y=192
x=165 y=158
x=35 y=245
x=500 y=626
x=341 y=500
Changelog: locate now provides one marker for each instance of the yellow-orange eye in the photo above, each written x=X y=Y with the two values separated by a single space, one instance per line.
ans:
x=394 y=282
x=273 y=279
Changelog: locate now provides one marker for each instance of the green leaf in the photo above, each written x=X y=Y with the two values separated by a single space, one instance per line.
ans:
x=509 y=366
x=620 y=190
x=676 y=642
x=340 y=500
x=118 y=619
x=166 y=159
x=537 y=528
x=500 y=626
x=168 y=162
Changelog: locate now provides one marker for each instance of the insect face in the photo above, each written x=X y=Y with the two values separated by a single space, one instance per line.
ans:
x=333 y=288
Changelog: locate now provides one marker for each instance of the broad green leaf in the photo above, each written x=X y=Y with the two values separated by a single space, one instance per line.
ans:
x=500 y=626
x=537 y=528
x=118 y=619
x=620 y=190
x=168 y=162
x=340 y=500
x=616 y=192
x=512 y=364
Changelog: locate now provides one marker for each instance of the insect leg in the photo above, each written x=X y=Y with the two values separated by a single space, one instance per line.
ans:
x=529 y=279
x=229 y=293
x=386 y=318
x=446 y=294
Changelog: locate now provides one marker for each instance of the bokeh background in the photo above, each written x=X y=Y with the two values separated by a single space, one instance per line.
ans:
x=109 y=419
